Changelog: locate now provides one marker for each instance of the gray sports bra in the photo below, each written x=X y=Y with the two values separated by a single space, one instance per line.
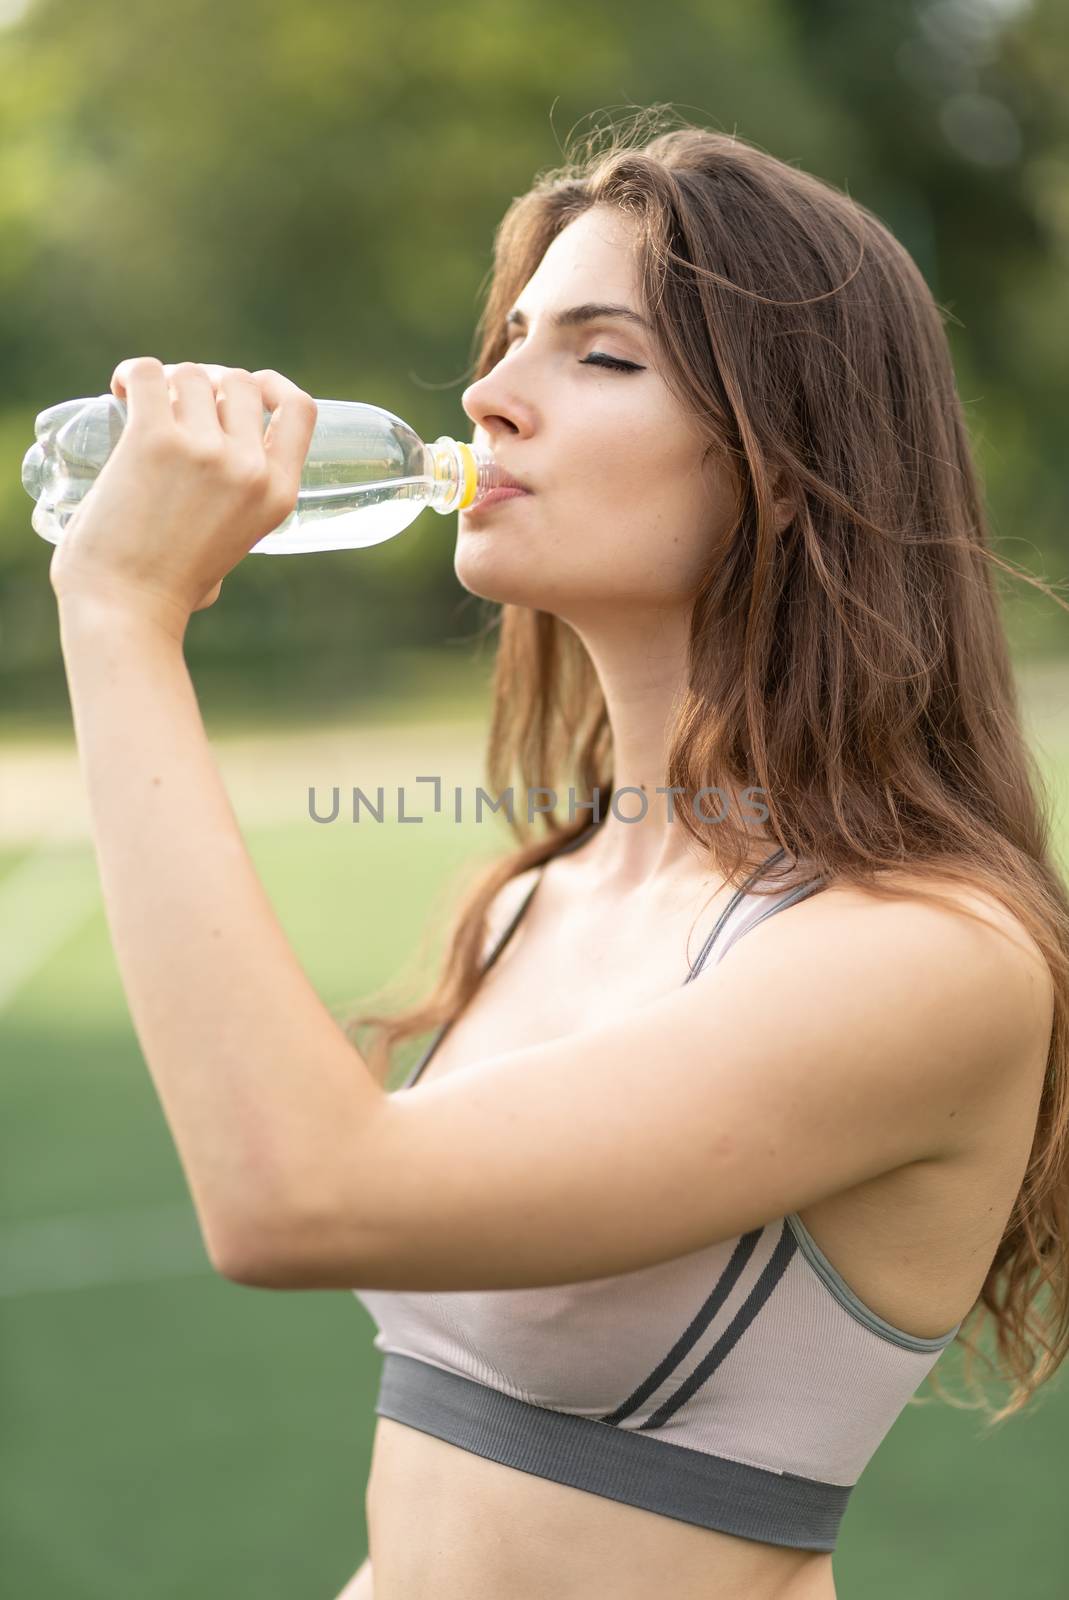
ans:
x=743 y=1387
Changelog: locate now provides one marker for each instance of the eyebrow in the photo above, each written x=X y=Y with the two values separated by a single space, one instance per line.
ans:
x=574 y=316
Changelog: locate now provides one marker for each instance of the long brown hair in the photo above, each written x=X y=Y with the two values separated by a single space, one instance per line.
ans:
x=852 y=665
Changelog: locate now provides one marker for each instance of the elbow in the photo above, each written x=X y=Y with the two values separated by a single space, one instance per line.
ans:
x=238 y=1264
x=251 y=1271
x=315 y=1259
x=256 y=1258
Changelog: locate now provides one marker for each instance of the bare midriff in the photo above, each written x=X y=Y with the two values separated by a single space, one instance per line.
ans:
x=444 y=1522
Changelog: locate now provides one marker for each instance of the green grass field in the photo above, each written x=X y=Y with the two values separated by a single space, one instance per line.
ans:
x=167 y=1433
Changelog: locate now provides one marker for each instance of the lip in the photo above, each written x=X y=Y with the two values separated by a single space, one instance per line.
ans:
x=495 y=497
x=505 y=480
x=508 y=481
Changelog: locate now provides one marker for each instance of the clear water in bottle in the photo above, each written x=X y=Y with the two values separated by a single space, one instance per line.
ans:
x=366 y=477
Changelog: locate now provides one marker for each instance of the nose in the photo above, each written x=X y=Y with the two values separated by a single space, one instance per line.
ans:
x=496 y=410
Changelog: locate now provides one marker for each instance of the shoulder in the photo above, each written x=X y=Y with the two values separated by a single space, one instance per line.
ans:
x=936 y=908
x=990 y=938
x=955 y=923
x=963 y=958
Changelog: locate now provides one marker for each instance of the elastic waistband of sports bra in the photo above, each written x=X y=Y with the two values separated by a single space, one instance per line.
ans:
x=621 y=1464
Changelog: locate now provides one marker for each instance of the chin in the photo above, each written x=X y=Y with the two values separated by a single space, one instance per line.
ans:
x=506 y=580
x=486 y=567
x=495 y=566
x=499 y=588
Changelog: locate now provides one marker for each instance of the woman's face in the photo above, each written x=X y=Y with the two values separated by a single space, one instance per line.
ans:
x=621 y=511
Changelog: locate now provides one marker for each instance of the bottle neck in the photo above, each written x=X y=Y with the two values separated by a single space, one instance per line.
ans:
x=460 y=474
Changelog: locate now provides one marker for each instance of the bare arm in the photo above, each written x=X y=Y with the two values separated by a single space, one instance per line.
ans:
x=254 y=1075
x=831 y=1046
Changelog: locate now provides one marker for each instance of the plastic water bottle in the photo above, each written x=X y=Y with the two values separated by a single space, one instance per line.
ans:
x=366 y=476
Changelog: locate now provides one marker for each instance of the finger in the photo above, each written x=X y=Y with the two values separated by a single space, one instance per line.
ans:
x=142 y=383
x=293 y=420
x=241 y=407
x=193 y=398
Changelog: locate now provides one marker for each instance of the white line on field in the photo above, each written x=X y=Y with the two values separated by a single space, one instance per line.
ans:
x=44 y=899
x=49 y=1255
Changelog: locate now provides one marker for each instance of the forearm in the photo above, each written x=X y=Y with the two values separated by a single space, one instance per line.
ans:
x=261 y=1089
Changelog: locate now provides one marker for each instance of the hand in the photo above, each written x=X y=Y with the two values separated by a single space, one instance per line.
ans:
x=193 y=483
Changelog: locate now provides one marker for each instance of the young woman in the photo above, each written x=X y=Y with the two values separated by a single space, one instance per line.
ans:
x=750 y=1079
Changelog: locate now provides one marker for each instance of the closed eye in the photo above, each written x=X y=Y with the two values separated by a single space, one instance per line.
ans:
x=598 y=359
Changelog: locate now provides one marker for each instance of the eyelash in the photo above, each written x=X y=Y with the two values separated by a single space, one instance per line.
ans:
x=599 y=359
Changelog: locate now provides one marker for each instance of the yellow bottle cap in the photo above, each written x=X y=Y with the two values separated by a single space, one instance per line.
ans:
x=471 y=475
